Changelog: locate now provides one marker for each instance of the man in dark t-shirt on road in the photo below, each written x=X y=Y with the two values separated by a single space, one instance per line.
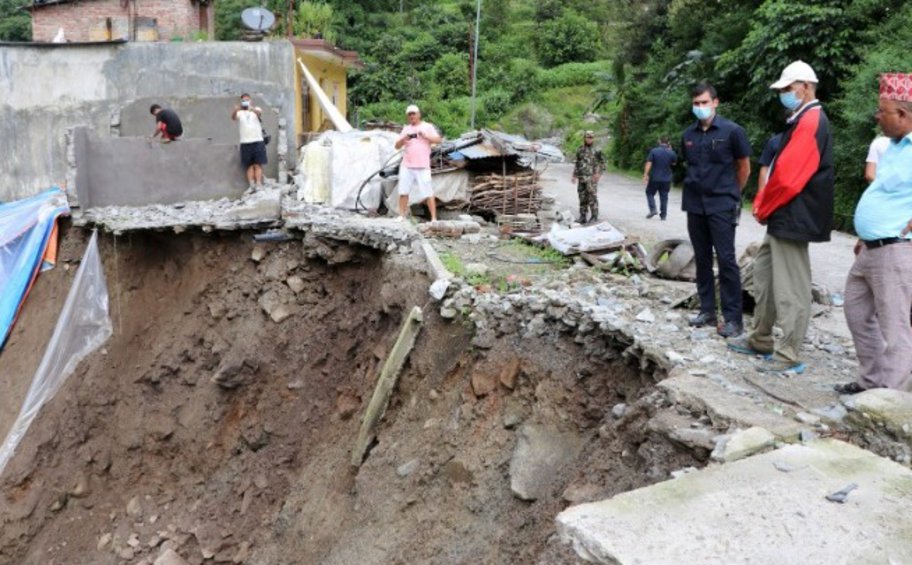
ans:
x=657 y=175
x=167 y=124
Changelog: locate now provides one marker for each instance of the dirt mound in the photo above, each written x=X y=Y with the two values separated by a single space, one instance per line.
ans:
x=206 y=427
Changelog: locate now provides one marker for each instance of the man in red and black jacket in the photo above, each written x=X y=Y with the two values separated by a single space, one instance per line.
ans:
x=796 y=205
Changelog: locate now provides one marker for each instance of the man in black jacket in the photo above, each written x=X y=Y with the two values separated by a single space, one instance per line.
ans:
x=796 y=205
x=717 y=154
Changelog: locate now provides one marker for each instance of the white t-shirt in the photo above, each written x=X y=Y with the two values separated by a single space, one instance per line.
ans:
x=876 y=151
x=249 y=126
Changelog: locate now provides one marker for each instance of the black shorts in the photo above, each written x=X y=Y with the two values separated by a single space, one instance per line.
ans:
x=253 y=153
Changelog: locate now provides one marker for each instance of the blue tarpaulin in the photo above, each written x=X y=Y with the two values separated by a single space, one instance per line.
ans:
x=28 y=233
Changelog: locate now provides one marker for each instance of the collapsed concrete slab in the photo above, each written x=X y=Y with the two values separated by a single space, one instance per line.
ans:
x=771 y=508
x=890 y=409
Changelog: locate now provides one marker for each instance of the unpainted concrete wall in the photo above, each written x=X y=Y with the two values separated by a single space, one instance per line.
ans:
x=46 y=89
x=135 y=171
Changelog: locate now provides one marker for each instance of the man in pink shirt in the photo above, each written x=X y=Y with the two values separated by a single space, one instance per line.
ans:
x=415 y=171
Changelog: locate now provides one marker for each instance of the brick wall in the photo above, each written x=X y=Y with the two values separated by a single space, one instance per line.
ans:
x=78 y=19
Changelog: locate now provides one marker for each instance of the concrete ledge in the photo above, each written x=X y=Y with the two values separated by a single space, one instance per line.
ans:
x=770 y=508
x=724 y=407
x=136 y=171
x=890 y=409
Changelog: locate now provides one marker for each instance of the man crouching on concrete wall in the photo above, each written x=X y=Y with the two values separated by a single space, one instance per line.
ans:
x=253 y=148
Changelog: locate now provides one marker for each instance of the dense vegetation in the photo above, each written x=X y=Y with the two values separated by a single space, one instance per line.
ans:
x=552 y=68
x=15 y=23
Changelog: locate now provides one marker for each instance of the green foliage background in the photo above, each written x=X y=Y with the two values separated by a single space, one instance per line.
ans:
x=15 y=23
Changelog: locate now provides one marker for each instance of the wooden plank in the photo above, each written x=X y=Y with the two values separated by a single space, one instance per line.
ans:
x=389 y=375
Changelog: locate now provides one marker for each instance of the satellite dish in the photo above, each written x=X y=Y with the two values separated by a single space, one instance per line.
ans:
x=257 y=19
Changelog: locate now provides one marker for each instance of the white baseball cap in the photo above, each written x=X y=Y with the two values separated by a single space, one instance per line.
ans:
x=412 y=109
x=799 y=71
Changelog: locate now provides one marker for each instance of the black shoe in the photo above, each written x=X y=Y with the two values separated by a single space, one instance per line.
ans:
x=849 y=388
x=593 y=219
x=651 y=215
x=730 y=329
x=663 y=218
x=581 y=220
x=703 y=319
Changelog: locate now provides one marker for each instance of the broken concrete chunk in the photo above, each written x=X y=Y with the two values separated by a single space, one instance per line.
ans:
x=541 y=456
x=407 y=468
x=483 y=383
x=646 y=316
x=295 y=283
x=890 y=408
x=510 y=373
x=439 y=288
x=169 y=557
x=134 y=507
x=743 y=443
x=258 y=254
x=748 y=511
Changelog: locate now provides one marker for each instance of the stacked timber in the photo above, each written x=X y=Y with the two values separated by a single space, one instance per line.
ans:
x=511 y=194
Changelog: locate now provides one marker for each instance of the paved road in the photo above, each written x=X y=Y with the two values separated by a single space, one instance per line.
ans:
x=622 y=201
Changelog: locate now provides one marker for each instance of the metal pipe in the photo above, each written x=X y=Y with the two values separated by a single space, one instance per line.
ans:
x=475 y=57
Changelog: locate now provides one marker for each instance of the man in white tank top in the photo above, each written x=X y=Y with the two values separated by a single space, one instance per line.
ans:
x=253 y=148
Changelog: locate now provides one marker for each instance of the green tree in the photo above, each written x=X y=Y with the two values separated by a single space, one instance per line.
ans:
x=571 y=37
x=314 y=20
x=15 y=24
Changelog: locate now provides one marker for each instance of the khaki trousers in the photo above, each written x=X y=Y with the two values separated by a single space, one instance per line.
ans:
x=878 y=298
x=782 y=290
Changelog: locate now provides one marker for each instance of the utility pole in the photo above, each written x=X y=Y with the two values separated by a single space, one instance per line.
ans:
x=475 y=57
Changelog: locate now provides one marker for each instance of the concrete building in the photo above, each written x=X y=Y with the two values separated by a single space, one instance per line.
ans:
x=106 y=20
x=329 y=65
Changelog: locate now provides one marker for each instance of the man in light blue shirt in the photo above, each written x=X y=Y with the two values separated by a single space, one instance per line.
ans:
x=878 y=294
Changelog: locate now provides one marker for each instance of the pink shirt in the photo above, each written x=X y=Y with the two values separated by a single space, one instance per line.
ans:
x=417 y=153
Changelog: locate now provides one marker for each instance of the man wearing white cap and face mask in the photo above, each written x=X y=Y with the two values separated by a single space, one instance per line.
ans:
x=415 y=171
x=796 y=205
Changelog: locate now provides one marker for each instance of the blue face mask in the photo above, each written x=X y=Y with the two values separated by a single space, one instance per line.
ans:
x=702 y=112
x=789 y=100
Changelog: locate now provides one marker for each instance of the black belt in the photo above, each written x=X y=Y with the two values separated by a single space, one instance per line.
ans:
x=874 y=244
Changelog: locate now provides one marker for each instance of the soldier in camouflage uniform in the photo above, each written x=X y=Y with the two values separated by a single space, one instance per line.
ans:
x=589 y=166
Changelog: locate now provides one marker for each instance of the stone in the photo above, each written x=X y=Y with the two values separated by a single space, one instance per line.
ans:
x=439 y=288
x=483 y=383
x=408 y=468
x=750 y=512
x=169 y=557
x=126 y=553
x=134 y=507
x=484 y=339
x=133 y=540
x=272 y=304
x=476 y=270
x=645 y=315
x=258 y=254
x=217 y=310
x=675 y=357
x=448 y=313
x=81 y=489
x=890 y=408
x=575 y=494
x=347 y=405
x=104 y=541
x=295 y=283
x=742 y=443
x=280 y=313
x=510 y=373
x=805 y=418
x=235 y=369
x=542 y=455
x=618 y=410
